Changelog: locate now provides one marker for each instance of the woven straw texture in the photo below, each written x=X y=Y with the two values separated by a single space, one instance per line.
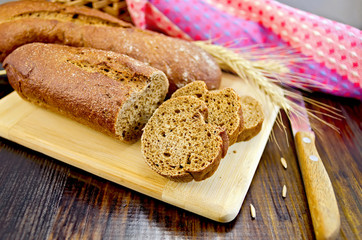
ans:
x=117 y=8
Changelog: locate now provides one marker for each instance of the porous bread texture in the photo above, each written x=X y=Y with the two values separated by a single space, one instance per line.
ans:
x=178 y=144
x=110 y=92
x=224 y=106
x=135 y=112
x=253 y=118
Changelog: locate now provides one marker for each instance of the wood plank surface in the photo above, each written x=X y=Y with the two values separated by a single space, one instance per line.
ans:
x=219 y=197
x=43 y=198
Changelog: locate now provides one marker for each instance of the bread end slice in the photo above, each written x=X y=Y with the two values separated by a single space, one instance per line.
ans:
x=253 y=118
x=178 y=144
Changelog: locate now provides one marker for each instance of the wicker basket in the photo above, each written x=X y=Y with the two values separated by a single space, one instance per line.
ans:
x=117 y=8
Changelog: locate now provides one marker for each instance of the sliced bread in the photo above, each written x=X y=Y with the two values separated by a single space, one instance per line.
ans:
x=224 y=107
x=178 y=144
x=253 y=118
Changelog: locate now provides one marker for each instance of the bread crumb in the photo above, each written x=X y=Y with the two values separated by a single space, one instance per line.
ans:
x=224 y=106
x=234 y=151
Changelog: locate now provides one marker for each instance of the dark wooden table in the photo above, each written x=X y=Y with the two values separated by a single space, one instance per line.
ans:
x=41 y=197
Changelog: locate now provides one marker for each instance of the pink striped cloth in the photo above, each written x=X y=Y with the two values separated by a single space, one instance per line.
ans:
x=333 y=49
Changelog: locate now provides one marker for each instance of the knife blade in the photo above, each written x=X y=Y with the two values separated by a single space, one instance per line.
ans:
x=319 y=190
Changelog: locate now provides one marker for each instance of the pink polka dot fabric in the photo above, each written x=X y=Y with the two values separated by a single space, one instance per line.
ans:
x=334 y=49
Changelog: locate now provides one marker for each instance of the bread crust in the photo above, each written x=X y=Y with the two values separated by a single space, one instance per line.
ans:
x=40 y=21
x=74 y=82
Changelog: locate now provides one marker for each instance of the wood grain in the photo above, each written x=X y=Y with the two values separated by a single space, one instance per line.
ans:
x=320 y=194
x=42 y=198
x=219 y=197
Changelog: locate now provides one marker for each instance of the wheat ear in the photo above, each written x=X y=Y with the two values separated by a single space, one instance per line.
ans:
x=252 y=71
x=263 y=74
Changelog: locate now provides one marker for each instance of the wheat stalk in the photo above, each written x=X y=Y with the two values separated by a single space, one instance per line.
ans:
x=252 y=71
x=271 y=66
x=264 y=74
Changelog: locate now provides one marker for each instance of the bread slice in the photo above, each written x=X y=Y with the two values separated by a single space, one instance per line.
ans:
x=224 y=107
x=108 y=91
x=178 y=144
x=253 y=118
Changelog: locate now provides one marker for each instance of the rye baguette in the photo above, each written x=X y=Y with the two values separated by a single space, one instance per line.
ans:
x=41 y=21
x=110 y=92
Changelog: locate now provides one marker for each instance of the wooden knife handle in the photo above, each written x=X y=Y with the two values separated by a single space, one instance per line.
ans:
x=321 y=199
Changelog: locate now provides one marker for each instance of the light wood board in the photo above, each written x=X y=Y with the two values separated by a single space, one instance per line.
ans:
x=219 y=198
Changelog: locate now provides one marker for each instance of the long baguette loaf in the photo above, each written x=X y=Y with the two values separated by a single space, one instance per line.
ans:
x=40 y=21
x=108 y=91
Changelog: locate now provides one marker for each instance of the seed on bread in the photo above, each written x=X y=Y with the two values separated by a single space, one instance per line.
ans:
x=224 y=106
x=177 y=143
x=253 y=117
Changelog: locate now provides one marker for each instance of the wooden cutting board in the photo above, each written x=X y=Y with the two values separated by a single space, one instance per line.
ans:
x=219 y=198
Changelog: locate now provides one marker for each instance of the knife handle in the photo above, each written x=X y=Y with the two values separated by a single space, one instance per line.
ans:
x=321 y=199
